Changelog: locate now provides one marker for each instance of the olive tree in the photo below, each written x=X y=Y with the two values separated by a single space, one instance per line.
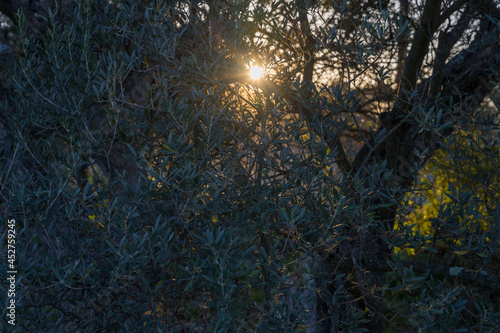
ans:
x=318 y=166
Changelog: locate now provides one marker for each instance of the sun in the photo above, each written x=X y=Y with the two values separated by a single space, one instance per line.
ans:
x=256 y=72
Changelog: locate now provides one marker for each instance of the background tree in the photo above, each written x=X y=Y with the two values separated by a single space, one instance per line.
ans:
x=156 y=185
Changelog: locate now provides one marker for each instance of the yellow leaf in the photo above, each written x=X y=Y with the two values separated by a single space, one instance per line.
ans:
x=88 y=272
x=167 y=147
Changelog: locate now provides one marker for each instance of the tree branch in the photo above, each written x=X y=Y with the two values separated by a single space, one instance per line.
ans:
x=418 y=51
x=451 y=10
x=480 y=278
x=467 y=79
x=446 y=42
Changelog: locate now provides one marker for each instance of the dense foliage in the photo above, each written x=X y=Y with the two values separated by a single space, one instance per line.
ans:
x=157 y=187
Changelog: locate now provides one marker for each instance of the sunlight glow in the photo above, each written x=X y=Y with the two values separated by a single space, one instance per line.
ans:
x=256 y=72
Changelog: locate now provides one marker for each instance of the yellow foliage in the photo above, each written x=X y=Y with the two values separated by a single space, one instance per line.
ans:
x=466 y=165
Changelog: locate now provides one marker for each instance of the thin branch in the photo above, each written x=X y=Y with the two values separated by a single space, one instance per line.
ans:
x=450 y=10
x=418 y=51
